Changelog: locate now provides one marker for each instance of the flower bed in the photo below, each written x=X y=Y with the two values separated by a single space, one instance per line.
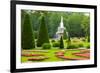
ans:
x=86 y=55
x=29 y=55
x=46 y=51
x=82 y=54
x=59 y=53
x=85 y=51
x=38 y=58
x=69 y=58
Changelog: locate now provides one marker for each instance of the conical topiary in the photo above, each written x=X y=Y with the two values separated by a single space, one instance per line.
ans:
x=43 y=33
x=64 y=35
x=61 y=43
x=27 y=37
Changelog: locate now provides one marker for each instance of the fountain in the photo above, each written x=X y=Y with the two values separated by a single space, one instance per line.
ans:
x=61 y=29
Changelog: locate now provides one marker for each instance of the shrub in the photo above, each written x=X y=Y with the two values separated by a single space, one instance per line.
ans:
x=72 y=46
x=83 y=39
x=56 y=44
x=53 y=41
x=43 y=32
x=80 y=44
x=66 y=40
x=27 y=35
x=75 y=40
x=88 y=39
x=46 y=46
x=58 y=41
x=61 y=43
x=87 y=45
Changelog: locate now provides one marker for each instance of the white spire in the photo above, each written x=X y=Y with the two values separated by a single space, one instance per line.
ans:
x=61 y=23
x=61 y=29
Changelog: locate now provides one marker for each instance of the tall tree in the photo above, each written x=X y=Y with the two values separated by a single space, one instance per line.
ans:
x=43 y=32
x=72 y=20
x=74 y=25
x=86 y=26
x=27 y=37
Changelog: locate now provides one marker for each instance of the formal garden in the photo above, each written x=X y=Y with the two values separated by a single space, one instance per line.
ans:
x=48 y=36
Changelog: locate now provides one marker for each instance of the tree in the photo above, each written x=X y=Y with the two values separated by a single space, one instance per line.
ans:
x=74 y=25
x=27 y=36
x=61 y=43
x=65 y=36
x=86 y=26
x=68 y=41
x=72 y=21
x=43 y=32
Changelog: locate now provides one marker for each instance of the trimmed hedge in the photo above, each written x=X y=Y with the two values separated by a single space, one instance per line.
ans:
x=43 y=33
x=56 y=44
x=46 y=46
x=53 y=41
x=87 y=45
x=61 y=43
x=72 y=46
x=65 y=36
x=80 y=45
x=27 y=35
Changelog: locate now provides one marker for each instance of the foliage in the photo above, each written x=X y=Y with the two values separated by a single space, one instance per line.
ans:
x=87 y=45
x=72 y=46
x=86 y=26
x=46 y=46
x=75 y=40
x=43 y=33
x=68 y=40
x=51 y=55
x=61 y=43
x=74 y=25
x=81 y=44
x=27 y=35
x=23 y=13
x=65 y=36
x=72 y=20
x=45 y=24
x=88 y=39
x=53 y=41
x=83 y=39
x=36 y=34
x=56 y=44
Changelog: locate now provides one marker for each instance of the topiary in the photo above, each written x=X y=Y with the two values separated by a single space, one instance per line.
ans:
x=72 y=46
x=53 y=41
x=56 y=44
x=80 y=45
x=46 y=46
x=61 y=43
x=27 y=34
x=65 y=36
x=43 y=33
x=87 y=45
x=83 y=39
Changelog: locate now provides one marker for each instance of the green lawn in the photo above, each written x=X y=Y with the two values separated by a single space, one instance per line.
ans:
x=51 y=55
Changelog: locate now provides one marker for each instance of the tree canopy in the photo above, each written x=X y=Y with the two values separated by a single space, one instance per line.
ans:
x=76 y=23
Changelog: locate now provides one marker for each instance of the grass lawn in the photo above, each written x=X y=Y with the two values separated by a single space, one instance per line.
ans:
x=50 y=54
